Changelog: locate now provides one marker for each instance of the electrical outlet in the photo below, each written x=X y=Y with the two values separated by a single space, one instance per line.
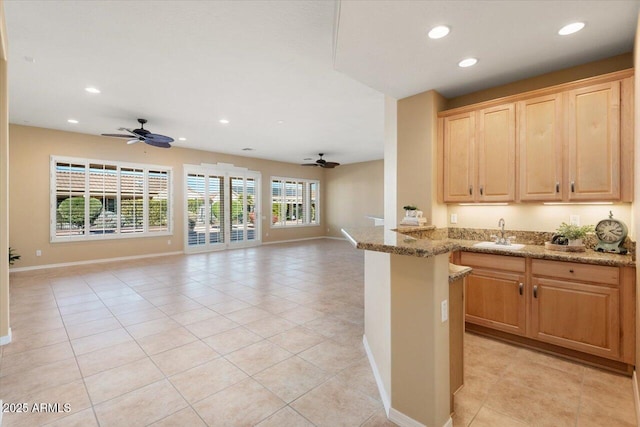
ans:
x=38 y=252
x=574 y=219
x=454 y=219
x=444 y=310
x=169 y=242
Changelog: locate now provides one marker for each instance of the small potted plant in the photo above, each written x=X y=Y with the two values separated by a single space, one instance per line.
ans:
x=410 y=210
x=574 y=233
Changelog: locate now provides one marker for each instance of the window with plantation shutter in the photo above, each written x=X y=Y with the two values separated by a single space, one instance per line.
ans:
x=294 y=202
x=93 y=199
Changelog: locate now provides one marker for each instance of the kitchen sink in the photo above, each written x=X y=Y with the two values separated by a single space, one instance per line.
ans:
x=494 y=245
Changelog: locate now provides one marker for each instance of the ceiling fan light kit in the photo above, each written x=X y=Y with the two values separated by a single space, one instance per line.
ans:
x=322 y=163
x=142 y=135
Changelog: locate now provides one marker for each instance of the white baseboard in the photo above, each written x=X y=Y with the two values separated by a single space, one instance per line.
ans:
x=92 y=261
x=386 y=402
x=334 y=238
x=296 y=240
x=404 y=421
x=636 y=396
x=3 y=341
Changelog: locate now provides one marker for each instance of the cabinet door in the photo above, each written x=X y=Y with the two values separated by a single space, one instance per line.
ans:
x=594 y=142
x=540 y=148
x=497 y=153
x=459 y=156
x=496 y=300
x=576 y=315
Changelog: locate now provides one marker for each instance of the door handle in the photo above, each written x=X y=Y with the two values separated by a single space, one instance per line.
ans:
x=557 y=187
x=520 y=288
x=470 y=190
x=481 y=190
x=573 y=187
x=535 y=291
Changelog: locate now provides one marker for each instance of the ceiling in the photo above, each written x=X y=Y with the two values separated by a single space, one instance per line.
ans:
x=291 y=82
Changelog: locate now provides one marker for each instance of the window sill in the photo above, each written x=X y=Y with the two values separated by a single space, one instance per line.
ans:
x=108 y=236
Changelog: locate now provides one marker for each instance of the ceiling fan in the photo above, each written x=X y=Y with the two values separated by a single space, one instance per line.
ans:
x=143 y=135
x=322 y=163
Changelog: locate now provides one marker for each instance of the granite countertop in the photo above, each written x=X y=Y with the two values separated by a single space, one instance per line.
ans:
x=457 y=272
x=380 y=240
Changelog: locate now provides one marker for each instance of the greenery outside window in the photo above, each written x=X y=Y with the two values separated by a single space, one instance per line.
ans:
x=294 y=202
x=93 y=199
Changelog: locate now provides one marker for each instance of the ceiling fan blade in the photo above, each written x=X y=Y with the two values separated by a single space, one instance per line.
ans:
x=331 y=165
x=133 y=141
x=159 y=144
x=115 y=135
x=158 y=138
x=309 y=164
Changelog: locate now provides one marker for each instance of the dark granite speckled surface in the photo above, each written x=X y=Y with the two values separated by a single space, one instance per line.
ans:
x=381 y=240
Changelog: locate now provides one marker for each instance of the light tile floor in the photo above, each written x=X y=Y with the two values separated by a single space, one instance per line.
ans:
x=268 y=336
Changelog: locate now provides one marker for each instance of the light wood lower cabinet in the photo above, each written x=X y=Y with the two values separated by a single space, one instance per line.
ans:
x=496 y=300
x=584 y=317
x=581 y=307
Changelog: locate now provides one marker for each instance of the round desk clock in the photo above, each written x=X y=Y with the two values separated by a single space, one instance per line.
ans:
x=611 y=234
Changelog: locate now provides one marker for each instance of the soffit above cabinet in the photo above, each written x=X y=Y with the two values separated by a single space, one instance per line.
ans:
x=384 y=44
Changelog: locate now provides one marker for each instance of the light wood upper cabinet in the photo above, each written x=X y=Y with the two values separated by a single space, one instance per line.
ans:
x=594 y=142
x=540 y=141
x=496 y=153
x=459 y=157
x=570 y=142
x=479 y=155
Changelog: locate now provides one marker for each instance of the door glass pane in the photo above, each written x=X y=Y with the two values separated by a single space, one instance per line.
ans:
x=216 y=196
x=70 y=184
x=251 y=209
x=313 y=202
x=196 y=210
x=237 y=209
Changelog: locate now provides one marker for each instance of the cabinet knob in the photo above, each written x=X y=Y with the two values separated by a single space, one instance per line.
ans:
x=557 y=187
x=520 y=288
x=573 y=187
x=535 y=291
x=470 y=190
x=481 y=190
x=571 y=270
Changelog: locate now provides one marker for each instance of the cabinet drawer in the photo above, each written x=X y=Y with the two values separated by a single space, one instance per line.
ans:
x=575 y=271
x=497 y=262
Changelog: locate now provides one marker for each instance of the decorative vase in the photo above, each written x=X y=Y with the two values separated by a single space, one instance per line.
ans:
x=575 y=242
x=410 y=213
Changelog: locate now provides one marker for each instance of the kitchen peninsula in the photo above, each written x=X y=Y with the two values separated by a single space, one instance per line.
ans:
x=407 y=303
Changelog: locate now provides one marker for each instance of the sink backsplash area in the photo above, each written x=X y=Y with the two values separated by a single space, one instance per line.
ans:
x=484 y=234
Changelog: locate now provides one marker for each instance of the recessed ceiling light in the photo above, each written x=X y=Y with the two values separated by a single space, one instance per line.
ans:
x=467 y=62
x=182 y=138
x=92 y=89
x=280 y=122
x=571 y=28
x=224 y=121
x=73 y=121
x=439 y=32
x=30 y=59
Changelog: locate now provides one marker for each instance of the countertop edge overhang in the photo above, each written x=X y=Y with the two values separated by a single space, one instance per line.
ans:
x=379 y=239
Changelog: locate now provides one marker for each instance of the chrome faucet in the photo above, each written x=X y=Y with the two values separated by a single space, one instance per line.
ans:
x=502 y=240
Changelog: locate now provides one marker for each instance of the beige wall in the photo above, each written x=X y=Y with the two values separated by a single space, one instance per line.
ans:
x=536 y=217
x=390 y=160
x=596 y=68
x=636 y=196
x=31 y=149
x=4 y=183
x=352 y=192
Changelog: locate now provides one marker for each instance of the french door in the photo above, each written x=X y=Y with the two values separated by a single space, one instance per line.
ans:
x=222 y=205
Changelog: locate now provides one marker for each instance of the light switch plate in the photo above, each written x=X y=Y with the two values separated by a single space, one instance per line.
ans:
x=574 y=219
x=444 y=310
x=454 y=218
